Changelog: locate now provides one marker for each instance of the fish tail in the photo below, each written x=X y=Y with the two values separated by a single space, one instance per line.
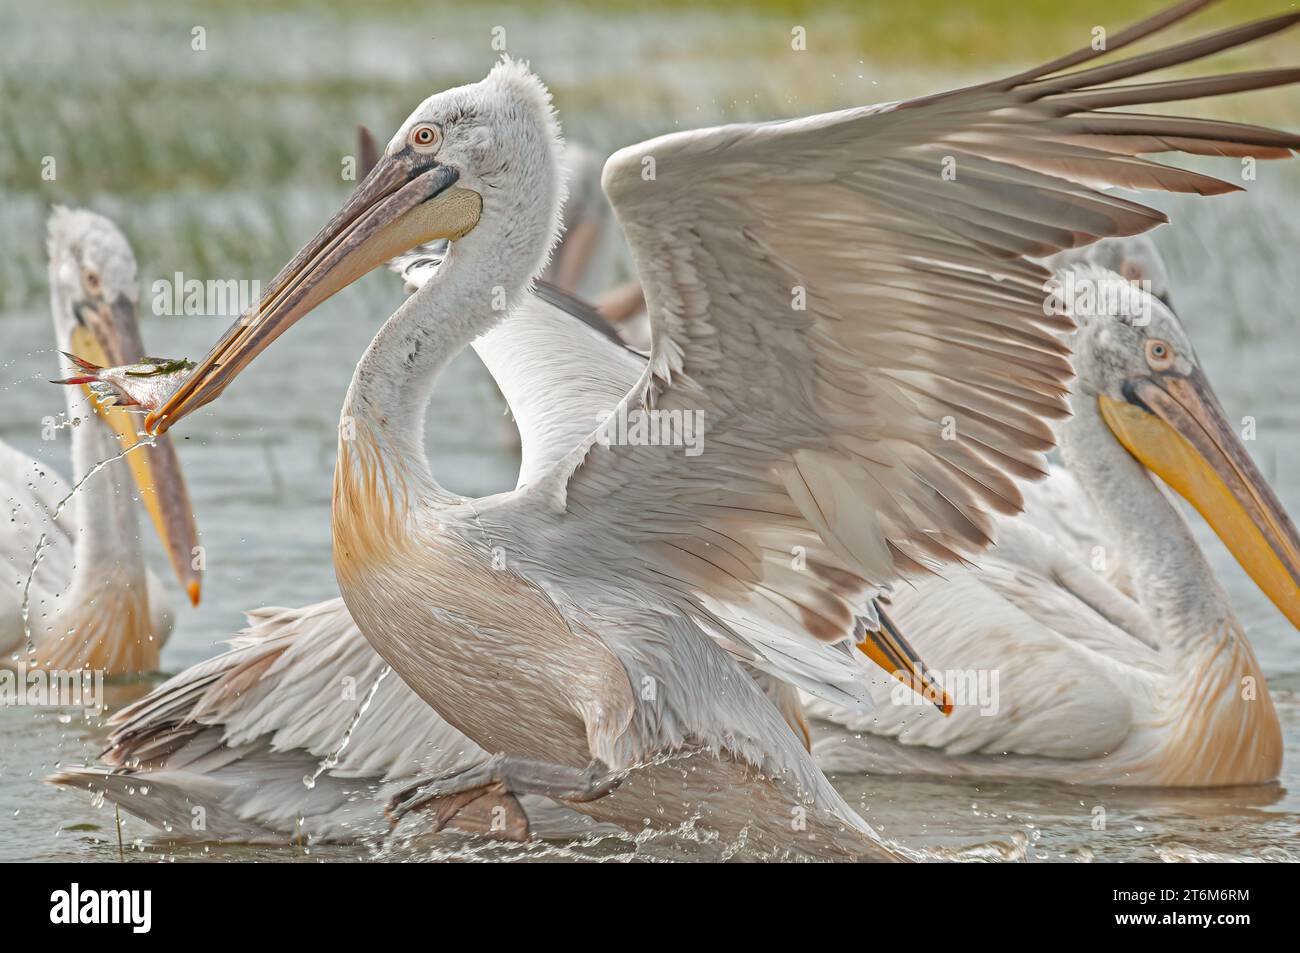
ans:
x=82 y=363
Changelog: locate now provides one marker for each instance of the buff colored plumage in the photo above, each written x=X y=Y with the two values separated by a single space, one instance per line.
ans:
x=573 y=627
x=1117 y=656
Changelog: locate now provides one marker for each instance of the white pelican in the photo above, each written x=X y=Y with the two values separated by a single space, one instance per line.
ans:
x=824 y=291
x=92 y=603
x=237 y=734
x=1153 y=681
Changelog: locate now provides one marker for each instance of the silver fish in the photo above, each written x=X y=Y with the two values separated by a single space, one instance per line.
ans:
x=140 y=387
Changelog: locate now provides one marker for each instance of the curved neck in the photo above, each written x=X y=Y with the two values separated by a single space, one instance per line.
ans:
x=1172 y=579
x=483 y=278
x=1216 y=723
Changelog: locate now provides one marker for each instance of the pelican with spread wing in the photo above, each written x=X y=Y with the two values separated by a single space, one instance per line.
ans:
x=301 y=694
x=1099 y=590
x=91 y=603
x=824 y=295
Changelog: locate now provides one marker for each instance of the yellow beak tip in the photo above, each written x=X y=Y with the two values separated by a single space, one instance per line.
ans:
x=193 y=590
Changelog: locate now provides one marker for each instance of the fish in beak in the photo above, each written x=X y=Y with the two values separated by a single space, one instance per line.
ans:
x=1172 y=423
x=407 y=199
x=106 y=335
x=888 y=649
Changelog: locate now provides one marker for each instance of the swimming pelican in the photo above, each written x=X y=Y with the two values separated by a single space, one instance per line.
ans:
x=824 y=292
x=1099 y=590
x=93 y=603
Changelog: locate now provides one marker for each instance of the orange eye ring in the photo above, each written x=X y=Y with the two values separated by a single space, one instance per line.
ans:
x=90 y=278
x=1160 y=354
x=425 y=138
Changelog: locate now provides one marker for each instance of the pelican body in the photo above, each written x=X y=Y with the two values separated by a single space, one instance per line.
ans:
x=1100 y=588
x=92 y=603
x=593 y=629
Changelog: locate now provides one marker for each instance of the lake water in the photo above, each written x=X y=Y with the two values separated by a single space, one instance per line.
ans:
x=218 y=163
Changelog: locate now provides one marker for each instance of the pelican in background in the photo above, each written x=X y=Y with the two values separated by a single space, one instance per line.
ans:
x=1099 y=590
x=93 y=603
x=568 y=627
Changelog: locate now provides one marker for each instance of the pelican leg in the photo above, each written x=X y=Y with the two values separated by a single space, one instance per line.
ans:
x=484 y=797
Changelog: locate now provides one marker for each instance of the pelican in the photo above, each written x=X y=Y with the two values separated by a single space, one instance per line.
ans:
x=823 y=292
x=301 y=693
x=92 y=602
x=1100 y=590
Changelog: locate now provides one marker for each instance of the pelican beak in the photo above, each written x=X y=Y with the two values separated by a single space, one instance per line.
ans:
x=108 y=335
x=1173 y=424
x=406 y=200
x=888 y=649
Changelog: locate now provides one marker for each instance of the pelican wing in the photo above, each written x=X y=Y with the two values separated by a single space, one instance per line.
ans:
x=560 y=375
x=238 y=734
x=846 y=302
x=30 y=482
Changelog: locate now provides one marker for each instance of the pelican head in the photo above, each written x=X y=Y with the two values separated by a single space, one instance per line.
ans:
x=93 y=299
x=1134 y=359
x=478 y=153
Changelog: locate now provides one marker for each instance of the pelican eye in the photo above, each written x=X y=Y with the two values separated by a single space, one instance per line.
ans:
x=90 y=278
x=425 y=138
x=1160 y=354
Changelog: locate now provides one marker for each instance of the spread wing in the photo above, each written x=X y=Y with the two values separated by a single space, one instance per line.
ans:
x=560 y=373
x=847 y=301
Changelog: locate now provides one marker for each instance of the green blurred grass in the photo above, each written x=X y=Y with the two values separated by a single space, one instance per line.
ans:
x=217 y=162
x=941 y=32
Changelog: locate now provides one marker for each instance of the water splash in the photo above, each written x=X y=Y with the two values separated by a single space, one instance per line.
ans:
x=331 y=760
x=146 y=440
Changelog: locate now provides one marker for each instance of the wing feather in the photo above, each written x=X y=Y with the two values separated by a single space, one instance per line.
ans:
x=848 y=301
x=238 y=733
